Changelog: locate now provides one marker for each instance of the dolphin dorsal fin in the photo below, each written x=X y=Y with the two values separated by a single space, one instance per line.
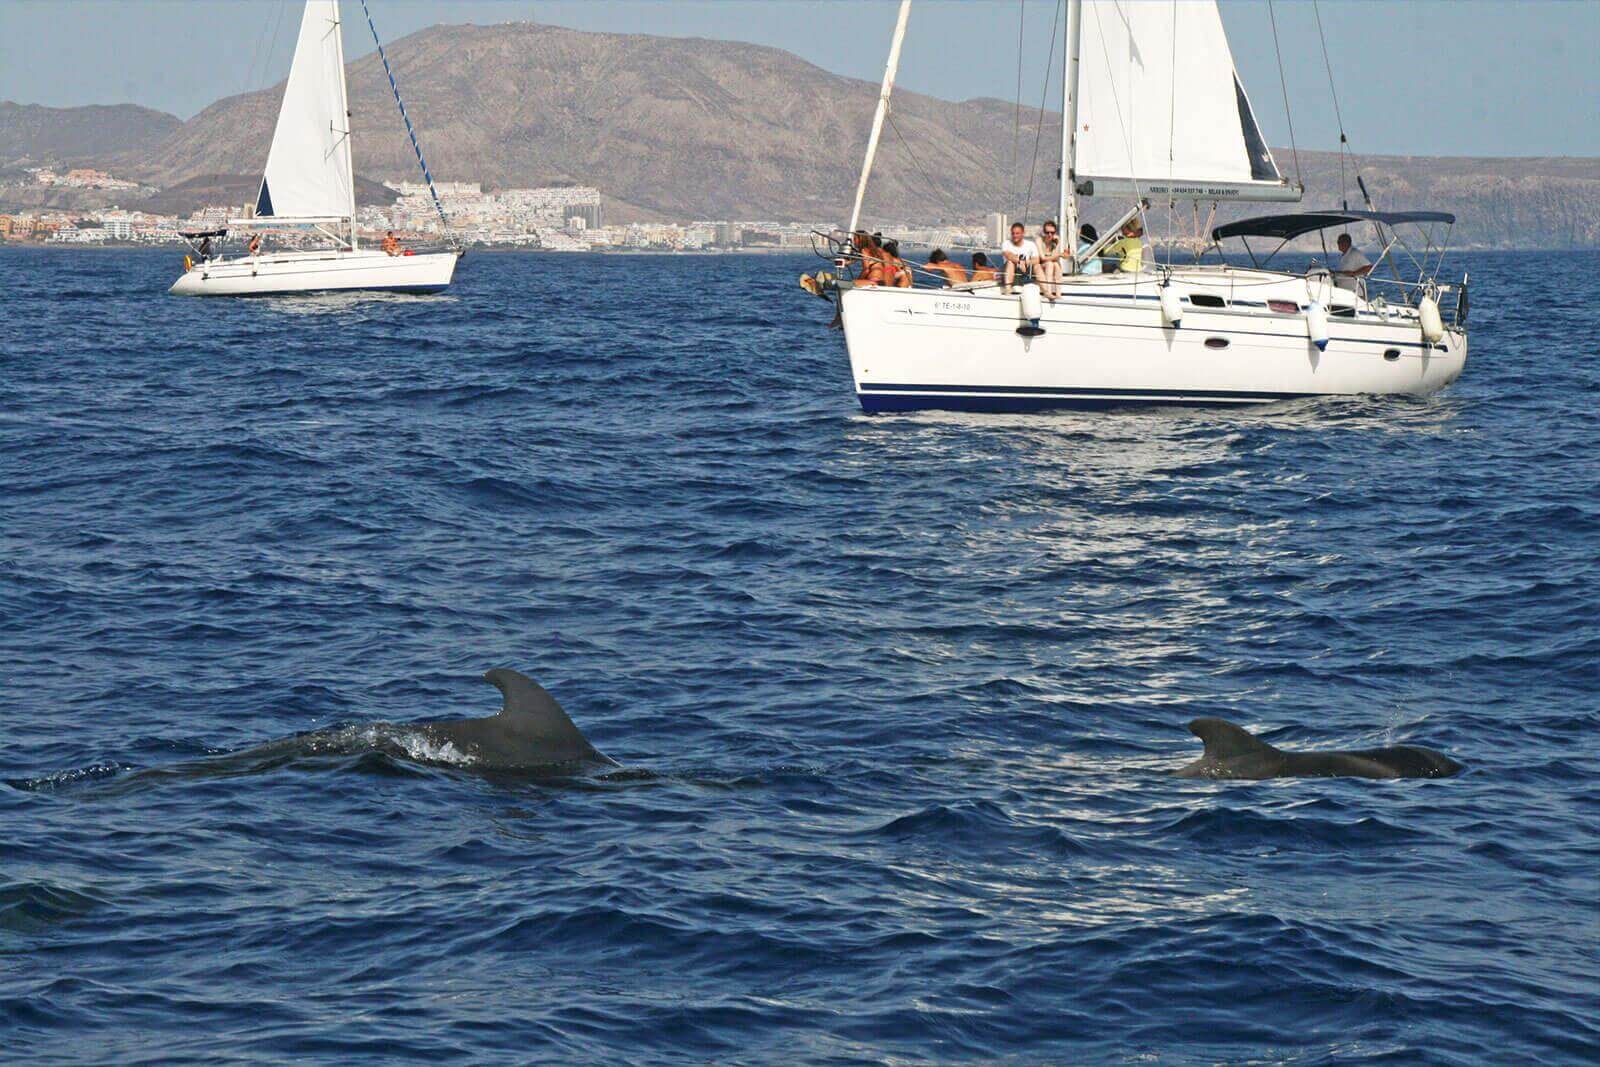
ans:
x=1224 y=740
x=532 y=711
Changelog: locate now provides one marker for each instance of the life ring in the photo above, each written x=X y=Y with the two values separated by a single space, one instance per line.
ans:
x=188 y=264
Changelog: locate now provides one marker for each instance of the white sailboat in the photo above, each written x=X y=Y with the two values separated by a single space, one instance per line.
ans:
x=1155 y=113
x=308 y=188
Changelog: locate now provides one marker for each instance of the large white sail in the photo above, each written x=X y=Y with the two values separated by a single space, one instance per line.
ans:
x=1161 y=110
x=308 y=167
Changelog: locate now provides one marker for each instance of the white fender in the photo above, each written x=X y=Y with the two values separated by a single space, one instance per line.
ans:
x=1032 y=304
x=1317 y=325
x=1171 y=307
x=1432 y=324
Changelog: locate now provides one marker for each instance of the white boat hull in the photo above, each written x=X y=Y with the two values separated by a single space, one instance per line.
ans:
x=317 y=272
x=1106 y=342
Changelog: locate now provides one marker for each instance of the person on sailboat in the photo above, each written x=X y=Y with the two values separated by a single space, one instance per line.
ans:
x=898 y=271
x=205 y=249
x=254 y=248
x=1353 y=266
x=391 y=244
x=954 y=273
x=1050 y=256
x=1021 y=255
x=1087 y=236
x=981 y=271
x=1128 y=250
x=872 y=270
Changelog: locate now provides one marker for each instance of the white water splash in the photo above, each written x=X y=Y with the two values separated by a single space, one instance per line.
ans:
x=424 y=750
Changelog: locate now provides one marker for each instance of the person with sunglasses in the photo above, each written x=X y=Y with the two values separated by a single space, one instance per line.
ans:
x=1050 y=256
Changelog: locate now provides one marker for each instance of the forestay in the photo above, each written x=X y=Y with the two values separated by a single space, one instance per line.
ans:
x=308 y=167
x=1162 y=112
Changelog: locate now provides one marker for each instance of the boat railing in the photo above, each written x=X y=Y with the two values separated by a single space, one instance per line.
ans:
x=1451 y=297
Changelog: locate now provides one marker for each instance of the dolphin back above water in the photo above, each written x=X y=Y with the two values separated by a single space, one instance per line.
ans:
x=531 y=730
x=1233 y=752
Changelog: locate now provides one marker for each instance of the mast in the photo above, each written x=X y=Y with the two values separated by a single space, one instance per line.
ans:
x=1068 y=215
x=881 y=113
x=344 y=109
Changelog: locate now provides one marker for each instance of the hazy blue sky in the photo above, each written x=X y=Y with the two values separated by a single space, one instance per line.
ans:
x=1457 y=77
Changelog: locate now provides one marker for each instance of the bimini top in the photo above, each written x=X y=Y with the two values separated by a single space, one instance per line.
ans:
x=195 y=235
x=1288 y=227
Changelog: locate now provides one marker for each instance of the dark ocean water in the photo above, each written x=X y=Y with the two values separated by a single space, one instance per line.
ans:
x=898 y=696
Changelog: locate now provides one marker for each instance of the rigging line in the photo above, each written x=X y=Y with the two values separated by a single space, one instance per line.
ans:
x=1116 y=101
x=1044 y=95
x=264 y=49
x=1016 y=111
x=410 y=130
x=932 y=186
x=1344 y=142
x=1283 y=81
x=256 y=73
x=255 y=57
x=1172 y=140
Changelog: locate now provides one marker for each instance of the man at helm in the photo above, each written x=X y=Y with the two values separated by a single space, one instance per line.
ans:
x=1352 y=267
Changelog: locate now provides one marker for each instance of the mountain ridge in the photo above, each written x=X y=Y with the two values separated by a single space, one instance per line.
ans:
x=691 y=128
x=65 y=136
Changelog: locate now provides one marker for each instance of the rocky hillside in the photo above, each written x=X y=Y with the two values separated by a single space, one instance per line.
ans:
x=687 y=128
x=667 y=126
x=1499 y=202
x=69 y=135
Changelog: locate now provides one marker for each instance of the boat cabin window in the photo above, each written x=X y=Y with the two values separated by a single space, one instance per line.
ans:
x=1286 y=307
x=1207 y=300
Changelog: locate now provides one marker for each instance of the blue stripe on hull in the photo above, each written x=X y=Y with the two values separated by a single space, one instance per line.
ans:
x=1040 y=398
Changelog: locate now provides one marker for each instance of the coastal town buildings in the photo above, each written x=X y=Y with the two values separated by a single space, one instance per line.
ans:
x=79 y=178
x=553 y=218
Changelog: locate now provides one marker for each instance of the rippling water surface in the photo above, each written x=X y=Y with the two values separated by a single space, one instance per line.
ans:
x=897 y=696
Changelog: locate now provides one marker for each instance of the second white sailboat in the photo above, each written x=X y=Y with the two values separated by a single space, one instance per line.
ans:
x=308 y=189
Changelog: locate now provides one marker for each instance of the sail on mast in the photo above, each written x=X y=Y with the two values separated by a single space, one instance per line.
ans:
x=309 y=173
x=1161 y=110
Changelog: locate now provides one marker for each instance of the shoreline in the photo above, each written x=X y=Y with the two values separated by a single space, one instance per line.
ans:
x=180 y=249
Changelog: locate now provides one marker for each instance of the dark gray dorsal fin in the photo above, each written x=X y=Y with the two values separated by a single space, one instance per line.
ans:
x=533 y=713
x=1224 y=740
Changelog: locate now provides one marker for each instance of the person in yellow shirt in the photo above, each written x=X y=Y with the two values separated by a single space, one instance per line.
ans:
x=1128 y=250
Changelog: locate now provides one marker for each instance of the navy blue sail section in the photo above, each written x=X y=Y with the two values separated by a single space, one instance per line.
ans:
x=263 y=200
x=1262 y=168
